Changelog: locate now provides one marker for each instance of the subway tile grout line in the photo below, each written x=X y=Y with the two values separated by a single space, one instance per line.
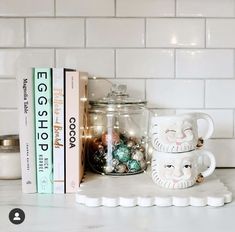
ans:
x=233 y=123
x=145 y=89
x=54 y=8
x=176 y=8
x=196 y=108
x=115 y=63
x=233 y=63
x=55 y=59
x=165 y=79
x=28 y=48
x=7 y=78
x=164 y=48
x=204 y=94
x=187 y=109
x=169 y=78
x=85 y=33
x=205 y=30
x=25 y=33
x=174 y=63
x=8 y=108
x=145 y=32
x=115 y=8
x=110 y=48
x=119 y=17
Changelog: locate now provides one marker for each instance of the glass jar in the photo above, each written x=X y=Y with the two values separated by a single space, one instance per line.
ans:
x=10 y=157
x=117 y=128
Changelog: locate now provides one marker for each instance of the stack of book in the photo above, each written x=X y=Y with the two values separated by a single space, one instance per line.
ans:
x=52 y=110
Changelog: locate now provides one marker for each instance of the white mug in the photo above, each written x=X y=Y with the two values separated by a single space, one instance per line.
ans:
x=178 y=133
x=180 y=170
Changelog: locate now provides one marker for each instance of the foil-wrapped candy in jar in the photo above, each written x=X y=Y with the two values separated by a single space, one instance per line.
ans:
x=117 y=134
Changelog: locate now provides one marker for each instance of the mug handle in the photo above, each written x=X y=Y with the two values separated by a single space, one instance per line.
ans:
x=210 y=124
x=212 y=166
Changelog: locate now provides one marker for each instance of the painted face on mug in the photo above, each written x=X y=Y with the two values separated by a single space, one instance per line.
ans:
x=174 y=173
x=173 y=136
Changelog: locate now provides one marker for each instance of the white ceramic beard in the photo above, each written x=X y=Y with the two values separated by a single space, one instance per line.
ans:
x=178 y=133
x=179 y=170
x=175 y=176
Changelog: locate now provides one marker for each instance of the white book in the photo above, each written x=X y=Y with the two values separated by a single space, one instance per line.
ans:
x=27 y=130
x=58 y=130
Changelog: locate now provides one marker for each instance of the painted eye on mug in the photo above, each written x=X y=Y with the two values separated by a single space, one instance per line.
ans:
x=169 y=166
x=168 y=130
x=188 y=166
x=188 y=129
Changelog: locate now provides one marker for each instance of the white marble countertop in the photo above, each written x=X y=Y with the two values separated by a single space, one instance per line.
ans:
x=61 y=213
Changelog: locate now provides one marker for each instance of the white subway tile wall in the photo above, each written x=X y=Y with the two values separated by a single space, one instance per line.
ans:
x=177 y=54
x=175 y=93
x=9 y=115
x=145 y=8
x=220 y=33
x=10 y=57
x=205 y=8
x=56 y=32
x=223 y=149
x=8 y=94
x=91 y=8
x=204 y=63
x=175 y=33
x=12 y=33
x=220 y=94
x=98 y=62
x=27 y=8
x=115 y=32
x=145 y=63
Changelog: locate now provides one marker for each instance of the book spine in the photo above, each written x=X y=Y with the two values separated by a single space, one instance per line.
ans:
x=58 y=130
x=83 y=95
x=26 y=131
x=43 y=128
x=72 y=130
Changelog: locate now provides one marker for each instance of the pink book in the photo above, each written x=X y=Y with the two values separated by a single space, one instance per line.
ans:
x=72 y=131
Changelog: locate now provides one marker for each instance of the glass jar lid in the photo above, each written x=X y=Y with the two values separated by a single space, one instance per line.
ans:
x=117 y=96
x=9 y=143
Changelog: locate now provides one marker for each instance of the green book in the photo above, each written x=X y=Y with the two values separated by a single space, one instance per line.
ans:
x=43 y=128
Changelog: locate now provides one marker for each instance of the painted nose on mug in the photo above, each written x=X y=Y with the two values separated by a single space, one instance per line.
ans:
x=178 y=133
x=177 y=172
